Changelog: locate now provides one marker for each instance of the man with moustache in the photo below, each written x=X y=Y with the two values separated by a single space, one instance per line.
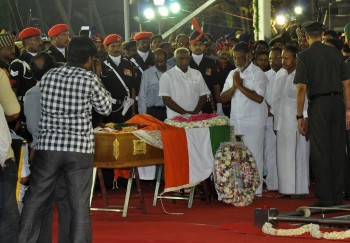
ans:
x=149 y=101
x=119 y=79
x=207 y=68
x=292 y=147
x=270 y=166
x=60 y=38
x=19 y=68
x=245 y=88
x=181 y=40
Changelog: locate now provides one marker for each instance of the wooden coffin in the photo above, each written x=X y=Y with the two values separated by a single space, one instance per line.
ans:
x=124 y=150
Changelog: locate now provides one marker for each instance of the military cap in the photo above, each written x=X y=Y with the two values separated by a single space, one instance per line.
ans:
x=197 y=37
x=6 y=40
x=112 y=38
x=313 y=26
x=29 y=32
x=57 y=29
x=143 y=35
x=97 y=38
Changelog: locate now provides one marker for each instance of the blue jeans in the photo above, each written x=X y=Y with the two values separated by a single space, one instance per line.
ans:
x=76 y=169
x=9 y=214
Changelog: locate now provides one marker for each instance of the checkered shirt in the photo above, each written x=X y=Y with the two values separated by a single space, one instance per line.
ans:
x=68 y=95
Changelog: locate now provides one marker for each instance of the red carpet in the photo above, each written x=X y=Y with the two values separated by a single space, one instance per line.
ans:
x=214 y=222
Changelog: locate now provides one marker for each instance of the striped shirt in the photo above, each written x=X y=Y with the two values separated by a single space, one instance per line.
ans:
x=68 y=95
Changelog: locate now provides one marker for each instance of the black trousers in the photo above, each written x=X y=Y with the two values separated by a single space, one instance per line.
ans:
x=76 y=169
x=327 y=147
x=9 y=213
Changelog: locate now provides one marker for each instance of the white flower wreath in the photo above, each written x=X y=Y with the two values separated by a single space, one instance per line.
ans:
x=235 y=173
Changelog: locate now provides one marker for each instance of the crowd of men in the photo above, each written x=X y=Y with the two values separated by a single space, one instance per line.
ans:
x=289 y=99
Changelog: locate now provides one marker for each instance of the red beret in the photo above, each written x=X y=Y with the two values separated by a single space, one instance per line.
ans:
x=143 y=35
x=57 y=29
x=112 y=38
x=29 y=32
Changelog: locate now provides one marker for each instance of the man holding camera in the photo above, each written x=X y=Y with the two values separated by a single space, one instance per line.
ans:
x=119 y=79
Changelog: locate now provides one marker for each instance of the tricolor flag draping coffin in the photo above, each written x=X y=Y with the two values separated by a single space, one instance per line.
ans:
x=188 y=152
x=189 y=159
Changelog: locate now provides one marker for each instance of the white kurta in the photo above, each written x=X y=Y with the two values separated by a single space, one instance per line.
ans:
x=183 y=88
x=270 y=163
x=292 y=148
x=249 y=117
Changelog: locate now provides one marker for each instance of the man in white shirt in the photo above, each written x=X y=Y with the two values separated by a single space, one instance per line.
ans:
x=183 y=89
x=270 y=167
x=245 y=87
x=292 y=148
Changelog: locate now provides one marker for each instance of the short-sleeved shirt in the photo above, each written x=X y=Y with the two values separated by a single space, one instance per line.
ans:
x=245 y=113
x=322 y=68
x=184 y=89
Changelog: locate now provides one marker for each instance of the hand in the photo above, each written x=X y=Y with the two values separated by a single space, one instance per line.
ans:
x=237 y=81
x=347 y=119
x=301 y=126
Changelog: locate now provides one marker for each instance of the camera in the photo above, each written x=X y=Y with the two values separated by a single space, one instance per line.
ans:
x=85 y=31
x=126 y=105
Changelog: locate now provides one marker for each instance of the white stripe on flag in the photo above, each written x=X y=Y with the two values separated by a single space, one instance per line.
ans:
x=201 y=162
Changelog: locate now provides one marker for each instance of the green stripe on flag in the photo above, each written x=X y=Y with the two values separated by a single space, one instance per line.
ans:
x=218 y=134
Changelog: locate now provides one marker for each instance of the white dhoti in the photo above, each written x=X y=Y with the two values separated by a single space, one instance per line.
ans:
x=270 y=163
x=292 y=163
x=254 y=140
x=147 y=172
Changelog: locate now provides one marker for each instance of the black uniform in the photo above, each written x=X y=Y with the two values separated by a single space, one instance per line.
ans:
x=222 y=73
x=55 y=53
x=118 y=92
x=207 y=67
x=322 y=69
x=21 y=74
x=140 y=63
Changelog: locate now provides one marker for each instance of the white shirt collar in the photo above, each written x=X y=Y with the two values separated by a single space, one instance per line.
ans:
x=116 y=60
x=143 y=55
x=32 y=53
x=62 y=50
x=197 y=58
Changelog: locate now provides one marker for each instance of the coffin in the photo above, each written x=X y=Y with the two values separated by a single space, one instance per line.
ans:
x=124 y=150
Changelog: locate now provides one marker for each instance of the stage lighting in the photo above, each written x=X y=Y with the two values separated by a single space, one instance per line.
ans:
x=281 y=20
x=149 y=13
x=163 y=11
x=175 y=7
x=298 y=10
x=158 y=2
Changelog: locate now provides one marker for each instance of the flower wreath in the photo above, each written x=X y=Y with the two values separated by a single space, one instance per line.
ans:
x=313 y=229
x=235 y=173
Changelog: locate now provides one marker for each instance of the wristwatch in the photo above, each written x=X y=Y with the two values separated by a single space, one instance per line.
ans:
x=300 y=117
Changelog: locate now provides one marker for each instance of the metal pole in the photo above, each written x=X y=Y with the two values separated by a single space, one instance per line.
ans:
x=126 y=20
x=188 y=18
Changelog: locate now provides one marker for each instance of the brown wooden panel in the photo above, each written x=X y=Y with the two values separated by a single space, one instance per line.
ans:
x=104 y=157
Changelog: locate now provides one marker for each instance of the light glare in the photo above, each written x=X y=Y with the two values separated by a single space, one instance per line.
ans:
x=175 y=7
x=298 y=10
x=148 y=13
x=281 y=20
x=163 y=11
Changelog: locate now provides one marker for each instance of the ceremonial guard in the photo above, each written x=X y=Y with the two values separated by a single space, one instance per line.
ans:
x=19 y=68
x=207 y=67
x=119 y=79
x=60 y=38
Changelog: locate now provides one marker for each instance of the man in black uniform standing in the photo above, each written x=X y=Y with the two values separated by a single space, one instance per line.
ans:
x=60 y=38
x=19 y=68
x=118 y=78
x=207 y=67
x=323 y=74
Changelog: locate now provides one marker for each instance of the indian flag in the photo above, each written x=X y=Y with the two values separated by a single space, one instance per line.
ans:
x=188 y=152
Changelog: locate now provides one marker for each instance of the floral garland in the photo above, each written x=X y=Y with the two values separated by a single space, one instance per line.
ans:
x=235 y=173
x=314 y=230
x=200 y=120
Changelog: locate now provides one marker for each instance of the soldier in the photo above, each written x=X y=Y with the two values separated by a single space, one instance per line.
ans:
x=119 y=79
x=60 y=38
x=19 y=68
x=207 y=67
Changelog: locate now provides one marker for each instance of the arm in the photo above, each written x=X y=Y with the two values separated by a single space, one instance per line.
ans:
x=301 y=92
x=346 y=85
x=174 y=106
x=100 y=97
x=8 y=99
x=201 y=102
